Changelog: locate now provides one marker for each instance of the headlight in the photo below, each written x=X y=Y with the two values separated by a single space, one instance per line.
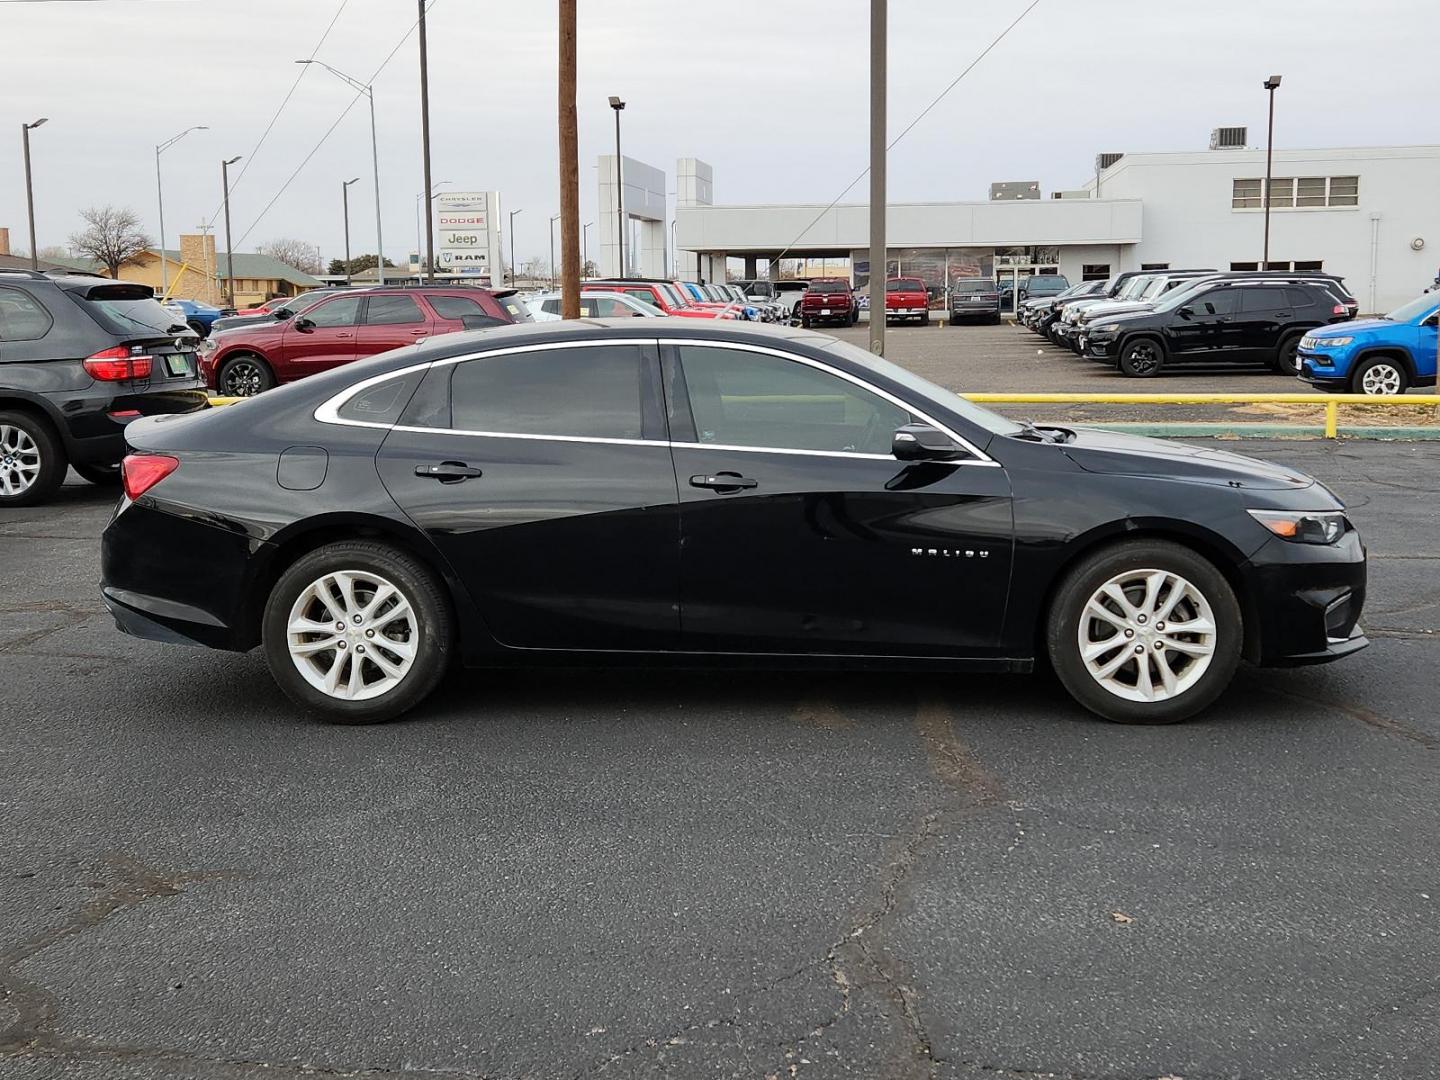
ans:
x=1107 y=328
x=1303 y=527
x=1326 y=342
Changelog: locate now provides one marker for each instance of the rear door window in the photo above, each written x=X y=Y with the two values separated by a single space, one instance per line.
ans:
x=591 y=392
x=1301 y=297
x=1262 y=299
x=22 y=317
x=393 y=309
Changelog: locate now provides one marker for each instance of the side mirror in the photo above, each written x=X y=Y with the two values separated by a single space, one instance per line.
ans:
x=282 y=313
x=1185 y=312
x=921 y=442
x=304 y=325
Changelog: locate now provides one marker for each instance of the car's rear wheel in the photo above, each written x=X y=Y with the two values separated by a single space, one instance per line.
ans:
x=244 y=375
x=1145 y=632
x=358 y=631
x=198 y=327
x=1380 y=376
x=32 y=460
x=103 y=475
x=1141 y=358
x=1287 y=357
x=925 y=319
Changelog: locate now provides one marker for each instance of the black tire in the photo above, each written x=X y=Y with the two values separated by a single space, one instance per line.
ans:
x=432 y=636
x=925 y=319
x=100 y=475
x=1141 y=357
x=1387 y=377
x=804 y=322
x=244 y=375
x=32 y=459
x=200 y=328
x=1084 y=580
x=1287 y=357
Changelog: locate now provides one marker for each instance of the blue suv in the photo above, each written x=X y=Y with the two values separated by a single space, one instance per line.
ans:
x=1387 y=355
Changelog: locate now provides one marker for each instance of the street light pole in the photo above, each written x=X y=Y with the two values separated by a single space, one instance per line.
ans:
x=512 y=244
x=618 y=106
x=229 y=251
x=878 y=46
x=585 y=246
x=160 y=202
x=425 y=146
x=1270 y=84
x=30 y=190
x=369 y=92
x=345 y=200
x=554 y=218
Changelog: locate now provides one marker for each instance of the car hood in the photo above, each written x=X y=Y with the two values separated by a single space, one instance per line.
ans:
x=1352 y=327
x=1115 y=307
x=1117 y=454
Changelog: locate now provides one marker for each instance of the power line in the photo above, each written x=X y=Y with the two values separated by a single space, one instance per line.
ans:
x=908 y=127
x=344 y=112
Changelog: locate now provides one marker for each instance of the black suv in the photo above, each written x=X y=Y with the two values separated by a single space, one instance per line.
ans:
x=80 y=357
x=1244 y=321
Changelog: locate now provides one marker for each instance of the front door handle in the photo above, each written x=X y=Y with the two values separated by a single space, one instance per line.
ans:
x=725 y=481
x=448 y=472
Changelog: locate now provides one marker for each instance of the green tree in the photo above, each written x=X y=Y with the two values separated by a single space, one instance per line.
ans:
x=358 y=264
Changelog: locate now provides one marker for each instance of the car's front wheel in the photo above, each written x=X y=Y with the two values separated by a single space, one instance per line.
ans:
x=358 y=631
x=244 y=375
x=1140 y=358
x=32 y=460
x=1145 y=632
x=1380 y=376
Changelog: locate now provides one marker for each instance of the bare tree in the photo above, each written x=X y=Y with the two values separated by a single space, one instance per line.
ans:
x=535 y=268
x=300 y=254
x=112 y=237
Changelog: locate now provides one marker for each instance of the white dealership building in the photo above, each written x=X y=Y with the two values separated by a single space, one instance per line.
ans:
x=1369 y=214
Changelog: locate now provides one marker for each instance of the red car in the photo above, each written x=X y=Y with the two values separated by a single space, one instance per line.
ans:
x=906 y=298
x=667 y=296
x=829 y=301
x=245 y=360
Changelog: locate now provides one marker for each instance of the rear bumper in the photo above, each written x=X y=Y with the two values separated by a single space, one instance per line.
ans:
x=972 y=311
x=94 y=422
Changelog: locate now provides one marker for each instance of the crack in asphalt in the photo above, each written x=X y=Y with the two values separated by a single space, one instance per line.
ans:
x=1369 y=717
x=72 y=616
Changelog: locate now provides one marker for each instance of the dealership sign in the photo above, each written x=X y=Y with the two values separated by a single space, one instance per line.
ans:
x=465 y=242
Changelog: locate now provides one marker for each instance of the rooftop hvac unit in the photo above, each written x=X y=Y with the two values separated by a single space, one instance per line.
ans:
x=1104 y=161
x=1228 y=138
x=1021 y=189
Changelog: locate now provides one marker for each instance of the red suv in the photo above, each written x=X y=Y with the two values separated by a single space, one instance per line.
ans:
x=244 y=360
x=829 y=301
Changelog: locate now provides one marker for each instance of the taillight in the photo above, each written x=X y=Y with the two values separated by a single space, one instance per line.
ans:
x=140 y=472
x=117 y=364
x=1339 y=309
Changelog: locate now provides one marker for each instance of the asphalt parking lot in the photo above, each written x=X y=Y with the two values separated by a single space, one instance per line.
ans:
x=634 y=874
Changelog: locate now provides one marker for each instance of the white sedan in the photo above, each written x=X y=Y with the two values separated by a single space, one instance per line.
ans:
x=545 y=307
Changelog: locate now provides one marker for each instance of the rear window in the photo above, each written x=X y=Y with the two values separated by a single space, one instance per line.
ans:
x=905 y=284
x=126 y=310
x=515 y=308
x=829 y=286
x=974 y=285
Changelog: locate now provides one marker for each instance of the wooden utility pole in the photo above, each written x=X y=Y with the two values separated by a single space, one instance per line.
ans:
x=879 y=27
x=569 y=169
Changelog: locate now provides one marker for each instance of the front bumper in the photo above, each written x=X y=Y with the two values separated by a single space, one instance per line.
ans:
x=1305 y=601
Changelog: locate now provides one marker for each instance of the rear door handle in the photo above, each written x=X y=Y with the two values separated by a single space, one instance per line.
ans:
x=725 y=481
x=448 y=472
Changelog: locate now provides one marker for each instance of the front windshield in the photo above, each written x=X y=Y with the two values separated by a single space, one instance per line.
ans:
x=1416 y=309
x=1133 y=287
x=1155 y=288
x=673 y=295
x=1183 y=293
x=923 y=388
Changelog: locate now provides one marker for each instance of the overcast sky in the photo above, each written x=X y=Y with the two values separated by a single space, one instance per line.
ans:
x=773 y=95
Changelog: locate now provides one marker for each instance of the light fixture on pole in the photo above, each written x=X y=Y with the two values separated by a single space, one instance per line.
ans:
x=512 y=243
x=345 y=202
x=369 y=92
x=553 y=218
x=585 y=245
x=30 y=190
x=618 y=106
x=1271 y=84
x=418 y=196
x=160 y=203
x=229 y=251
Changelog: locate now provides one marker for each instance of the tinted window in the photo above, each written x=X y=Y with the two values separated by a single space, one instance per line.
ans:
x=515 y=308
x=974 y=285
x=22 y=318
x=550 y=307
x=392 y=310
x=1301 y=297
x=905 y=285
x=126 y=309
x=382 y=403
x=829 y=286
x=341 y=311
x=645 y=294
x=457 y=307
x=592 y=392
x=1262 y=299
x=750 y=399
x=1216 y=302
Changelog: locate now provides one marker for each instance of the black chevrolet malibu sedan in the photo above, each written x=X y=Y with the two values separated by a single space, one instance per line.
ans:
x=607 y=492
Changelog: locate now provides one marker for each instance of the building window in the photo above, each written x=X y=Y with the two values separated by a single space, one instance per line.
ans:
x=1154 y=266
x=1246 y=194
x=1344 y=191
x=1310 y=191
x=1095 y=272
x=1311 y=264
x=1273 y=265
x=1282 y=192
x=1244 y=266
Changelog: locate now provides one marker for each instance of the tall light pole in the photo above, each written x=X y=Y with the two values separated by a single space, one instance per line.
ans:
x=585 y=245
x=229 y=252
x=345 y=202
x=30 y=190
x=512 y=244
x=369 y=92
x=418 y=196
x=878 y=46
x=618 y=106
x=553 y=218
x=425 y=145
x=160 y=202
x=1271 y=84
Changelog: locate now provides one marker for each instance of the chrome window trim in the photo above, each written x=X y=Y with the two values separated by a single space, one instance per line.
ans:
x=328 y=411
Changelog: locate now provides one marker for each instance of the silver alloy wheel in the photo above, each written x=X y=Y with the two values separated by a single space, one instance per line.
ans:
x=243 y=378
x=1147 y=635
x=352 y=635
x=1381 y=379
x=19 y=460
